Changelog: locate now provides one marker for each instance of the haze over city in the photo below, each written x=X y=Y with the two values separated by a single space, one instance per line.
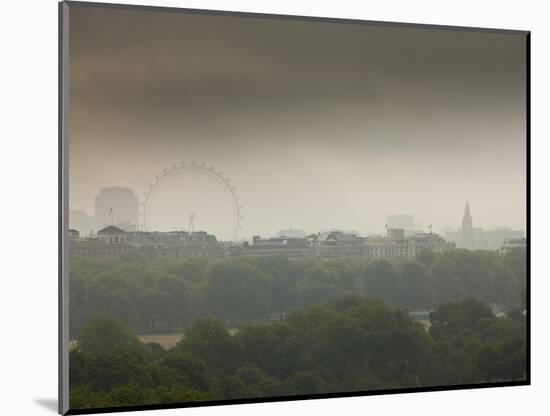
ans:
x=317 y=126
x=326 y=209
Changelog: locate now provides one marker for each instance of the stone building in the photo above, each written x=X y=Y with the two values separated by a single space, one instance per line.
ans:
x=395 y=244
x=338 y=244
x=512 y=244
x=108 y=242
x=112 y=240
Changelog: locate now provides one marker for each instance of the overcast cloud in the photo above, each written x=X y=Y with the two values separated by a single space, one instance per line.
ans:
x=317 y=124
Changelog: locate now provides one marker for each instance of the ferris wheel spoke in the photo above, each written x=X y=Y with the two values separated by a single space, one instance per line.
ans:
x=184 y=168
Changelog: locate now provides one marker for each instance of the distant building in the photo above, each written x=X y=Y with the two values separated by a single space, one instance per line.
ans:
x=340 y=244
x=117 y=206
x=395 y=233
x=91 y=247
x=404 y=222
x=478 y=238
x=112 y=235
x=103 y=245
x=327 y=231
x=73 y=234
x=113 y=240
x=495 y=238
x=291 y=233
x=474 y=238
x=81 y=221
x=326 y=245
x=512 y=244
x=396 y=244
x=291 y=247
x=467 y=229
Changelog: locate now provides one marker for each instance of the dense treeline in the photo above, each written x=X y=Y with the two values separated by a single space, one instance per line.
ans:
x=351 y=344
x=152 y=294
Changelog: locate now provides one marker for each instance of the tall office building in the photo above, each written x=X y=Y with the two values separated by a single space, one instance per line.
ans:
x=81 y=221
x=405 y=222
x=117 y=206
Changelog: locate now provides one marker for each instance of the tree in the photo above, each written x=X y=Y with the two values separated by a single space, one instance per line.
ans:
x=303 y=382
x=108 y=354
x=417 y=286
x=177 y=305
x=516 y=260
x=319 y=285
x=450 y=318
x=382 y=281
x=259 y=344
x=208 y=340
x=350 y=344
x=180 y=367
x=236 y=290
x=448 y=286
x=105 y=334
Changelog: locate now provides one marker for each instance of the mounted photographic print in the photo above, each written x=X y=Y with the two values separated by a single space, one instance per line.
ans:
x=264 y=208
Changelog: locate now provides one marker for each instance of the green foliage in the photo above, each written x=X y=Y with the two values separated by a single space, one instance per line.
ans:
x=108 y=354
x=350 y=344
x=208 y=340
x=182 y=368
x=321 y=335
x=237 y=290
x=478 y=346
x=382 y=281
x=152 y=294
x=105 y=334
x=454 y=317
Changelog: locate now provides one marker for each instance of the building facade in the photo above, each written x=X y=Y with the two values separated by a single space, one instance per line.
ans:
x=513 y=244
x=405 y=222
x=112 y=240
x=340 y=244
x=396 y=244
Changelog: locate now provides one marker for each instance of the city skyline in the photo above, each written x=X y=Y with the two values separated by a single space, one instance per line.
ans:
x=418 y=226
x=288 y=207
x=320 y=132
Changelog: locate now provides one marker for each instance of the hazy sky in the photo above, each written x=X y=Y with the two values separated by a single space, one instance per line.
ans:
x=318 y=125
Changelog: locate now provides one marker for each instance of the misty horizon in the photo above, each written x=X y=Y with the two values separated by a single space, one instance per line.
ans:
x=418 y=226
x=318 y=126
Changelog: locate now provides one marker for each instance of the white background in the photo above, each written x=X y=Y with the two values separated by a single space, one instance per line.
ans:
x=28 y=208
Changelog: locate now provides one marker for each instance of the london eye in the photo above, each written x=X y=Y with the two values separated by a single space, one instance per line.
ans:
x=230 y=210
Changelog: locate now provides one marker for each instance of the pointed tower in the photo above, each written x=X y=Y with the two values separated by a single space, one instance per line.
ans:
x=467 y=229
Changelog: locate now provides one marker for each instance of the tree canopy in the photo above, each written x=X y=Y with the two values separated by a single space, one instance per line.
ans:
x=166 y=293
x=350 y=344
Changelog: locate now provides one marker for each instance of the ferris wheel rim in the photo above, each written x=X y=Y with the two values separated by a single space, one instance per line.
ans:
x=183 y=167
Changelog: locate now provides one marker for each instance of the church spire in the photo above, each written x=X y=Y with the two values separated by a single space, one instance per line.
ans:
x=467 y=228
x=467 y=222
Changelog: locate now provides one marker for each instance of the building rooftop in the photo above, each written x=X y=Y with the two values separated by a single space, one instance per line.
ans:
x=111 y=229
